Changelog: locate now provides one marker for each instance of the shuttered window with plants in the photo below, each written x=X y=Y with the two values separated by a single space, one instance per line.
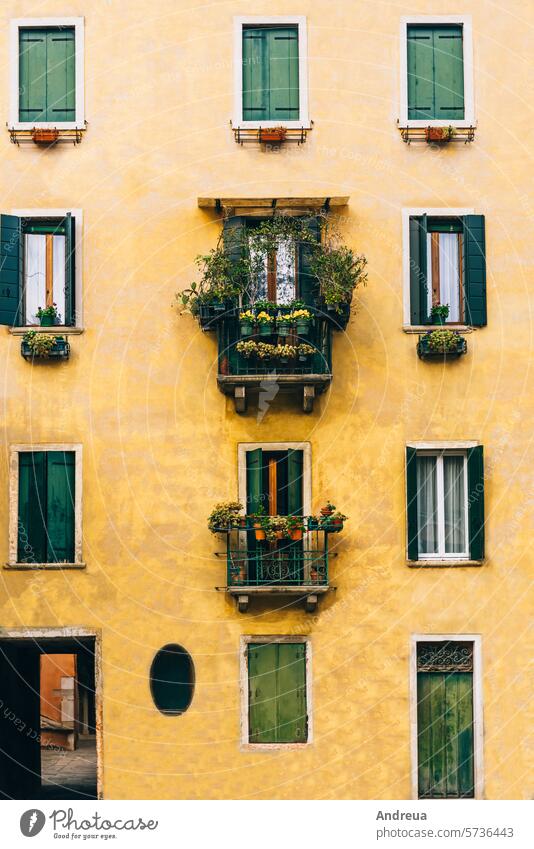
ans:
x=47 y=75
x=445 y=504
x=37 y=271
x=435 y=73
x=270 y=74
x=46 y=507
x=277 y=706
x=445 y=720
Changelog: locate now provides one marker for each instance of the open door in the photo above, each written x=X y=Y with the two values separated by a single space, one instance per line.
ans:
x=20 y=758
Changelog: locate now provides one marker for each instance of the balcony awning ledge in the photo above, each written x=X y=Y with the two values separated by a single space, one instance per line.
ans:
x=267 y=206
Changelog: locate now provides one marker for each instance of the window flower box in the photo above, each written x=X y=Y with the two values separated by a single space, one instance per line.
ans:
x=441 y=345
x=45 y=136
x=438 y=135
x=44 y=346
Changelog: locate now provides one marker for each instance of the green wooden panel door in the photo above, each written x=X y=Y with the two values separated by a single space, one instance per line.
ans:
x=420 y=49
x=60 y=506
x=448 y=73
x=47 y=85
x=32 y=536
x=277 y=693
x=283 y=51
x=445 y=734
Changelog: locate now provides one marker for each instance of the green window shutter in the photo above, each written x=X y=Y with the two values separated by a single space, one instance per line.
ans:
x=262 y=684
x=420 y=48
x=70 y=270
x=255 y=74
x=60 y=506
x=475 y=270
x=254 y=480
x=448 y=73
x=10 y=270
x=411 y=504
x=60 y=75
x=445 y=734
x=418 y=271
x=294 y=482
x=475 y=501
x=283 y=51
x=32 y=538
x=307 y=283
x=32 y=75
x=277 y=693
x=234 y=232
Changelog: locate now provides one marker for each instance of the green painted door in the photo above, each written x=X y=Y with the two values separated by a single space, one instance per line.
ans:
x=46 y=507
x=435 y=73
x=277 y=693
x=47 y=84
x=270 y=74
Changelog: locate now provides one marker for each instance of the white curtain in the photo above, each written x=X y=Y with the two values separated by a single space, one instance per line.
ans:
x=454 y=504
x=34 y=275
x=427 y=517
x=449 y=273
x=285 y=272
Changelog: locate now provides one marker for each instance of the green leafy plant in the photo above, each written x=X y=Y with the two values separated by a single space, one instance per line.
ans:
x=440 y=312
x=221 y=279
x=263 y=317
x=339 y=271
x=443 y=340
x=224 y=516
x=305 y=350
x=40 y=344
x=48 y=312
x=265 y=306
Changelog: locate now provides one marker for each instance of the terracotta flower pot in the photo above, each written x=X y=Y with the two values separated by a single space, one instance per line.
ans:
x=42 y=136
x=273 y=134
x=259 y=533
x=325 y=511
x=296 y=534
x=437 y=134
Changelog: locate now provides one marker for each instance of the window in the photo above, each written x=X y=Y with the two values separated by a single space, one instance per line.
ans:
x=436 y=72
x=447 y=265
x=38 y=267
x=271 y=86
x=172 y=680
x=276 y=692
x=445 y=503
x=445 y=719
x=274 y=481
x=45 y=505
x=47 y=73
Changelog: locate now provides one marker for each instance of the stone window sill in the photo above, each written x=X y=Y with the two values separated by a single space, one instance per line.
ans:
x=424 y=328
x=56 y=328
x=27 y=567
x=415 y=564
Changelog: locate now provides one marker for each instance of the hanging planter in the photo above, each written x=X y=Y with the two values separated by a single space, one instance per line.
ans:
x=45 y=136
x=44 y=346
x=283 y=327
x=273 y=135
x=439 y=134
x=246 y=323
x=441 y=345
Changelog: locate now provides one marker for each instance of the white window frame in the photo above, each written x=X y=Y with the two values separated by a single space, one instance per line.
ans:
x=465 y=22
x=243 y=677
x=14 y=451
x=277 y=20
x=441 y=554
x=478 y=730
x=61 y=212
x=17 y=24
x=413 y=212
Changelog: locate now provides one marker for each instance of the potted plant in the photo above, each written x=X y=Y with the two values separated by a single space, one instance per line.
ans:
x=313 y=523
x=339 y=271
x=260 y=524
x=439 y=313
x=247 y=320
x=48 y=316
x=278 y=527
x=328 y=509
x=303 y=319
x=41 y=135
x=305 y=351
x=44 y=346
x=283 y=324
x=439 y=134
x=285 y=353
x=335 y=522
x=274 y=135
x=265 y=323
x=441 y=344
x=295 y=527
x=221 y=282
x=224 y=516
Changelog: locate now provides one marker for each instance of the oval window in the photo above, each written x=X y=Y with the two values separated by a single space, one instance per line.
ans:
x=172 y=680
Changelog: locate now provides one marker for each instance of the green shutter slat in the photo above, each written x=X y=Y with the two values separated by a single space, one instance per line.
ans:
x=70 y=270
x=438 y=768
x=465 y=736
x=294 y=482
x=424 y=731
x=283 y=53
x=32 y=74
x=307 y=283
x=60 y=506
x=418 y=271
x=10 y=269
x=448 y=73
x=475 y=270
x=254 y=481
x=475 y=501
x=32 y=547
x=420 y=48
x=411 y=503
x=451 y=735
x=60 y=76
x=262 y=675
x=291 y=703
x=255 y=74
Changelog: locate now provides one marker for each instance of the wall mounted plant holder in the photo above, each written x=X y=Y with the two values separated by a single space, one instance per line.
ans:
x=437 y=135
x=430 y=348
x=46 y=136
x=33 y=351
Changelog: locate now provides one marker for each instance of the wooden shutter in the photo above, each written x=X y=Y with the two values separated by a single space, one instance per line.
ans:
x=70 y=270
x=307 y=283
x=294 y=482
x=283 y=52
x=445 y=734
x=254 y=480
x=420 y=49
x=475 y=501
x=255 y=74
x=32 y=537
x=32 y=75
x=411 y=504
x=418 y=271
x=60 y=75
x=475 y=270
x=277 y=693
x=60 y=506
x=10 y=270
x=448 y=73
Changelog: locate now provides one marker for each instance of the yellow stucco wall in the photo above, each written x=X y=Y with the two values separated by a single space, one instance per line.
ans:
x=160 y=442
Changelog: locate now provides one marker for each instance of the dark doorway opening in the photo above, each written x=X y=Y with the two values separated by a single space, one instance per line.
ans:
x=48 y=718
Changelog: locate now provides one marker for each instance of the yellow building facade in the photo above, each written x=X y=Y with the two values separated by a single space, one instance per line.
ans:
x=156 y=443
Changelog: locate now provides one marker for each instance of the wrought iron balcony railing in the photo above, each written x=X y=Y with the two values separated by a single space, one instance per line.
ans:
x=266 y=566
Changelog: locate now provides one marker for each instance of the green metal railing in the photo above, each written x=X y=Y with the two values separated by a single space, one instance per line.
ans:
x=281 y=563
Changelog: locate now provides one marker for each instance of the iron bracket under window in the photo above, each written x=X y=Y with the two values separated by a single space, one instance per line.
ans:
x=438 y=136
x=46 y=137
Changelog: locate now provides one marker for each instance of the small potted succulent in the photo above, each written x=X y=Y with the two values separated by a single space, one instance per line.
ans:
x=274 y=135
x=295 y=527
x=225 y=516
x=247 y=320
x=303 y=320
x=265 y=323
x=439 y=134
x=48 y=316
x=439 y=313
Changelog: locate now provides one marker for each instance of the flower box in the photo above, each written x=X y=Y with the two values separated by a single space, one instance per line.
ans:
x=45 y=136
x=451 y=351
x=60 y=351
x=438 y=134
x=273 y=135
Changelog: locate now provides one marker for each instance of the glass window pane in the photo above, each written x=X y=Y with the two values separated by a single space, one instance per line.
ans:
x=454 y=502
x=34 y=275
x=258 y=285
x=427 y=517
x=285 y=272
x=449 y=274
